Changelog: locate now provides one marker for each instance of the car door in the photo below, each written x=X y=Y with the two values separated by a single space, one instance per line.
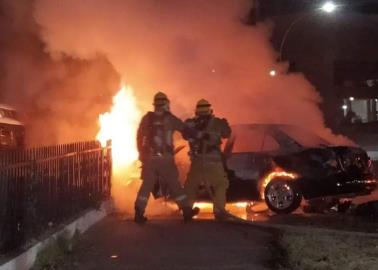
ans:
x=247 y=160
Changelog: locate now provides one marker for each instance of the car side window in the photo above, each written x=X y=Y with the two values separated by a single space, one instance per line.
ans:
x=269 y=144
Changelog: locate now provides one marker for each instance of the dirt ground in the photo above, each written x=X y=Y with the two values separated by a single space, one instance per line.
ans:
x=328 y=251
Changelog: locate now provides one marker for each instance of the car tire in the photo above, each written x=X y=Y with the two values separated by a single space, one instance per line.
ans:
x=282 y=196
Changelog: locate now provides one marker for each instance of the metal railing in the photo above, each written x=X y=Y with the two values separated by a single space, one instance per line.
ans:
x=45 y=186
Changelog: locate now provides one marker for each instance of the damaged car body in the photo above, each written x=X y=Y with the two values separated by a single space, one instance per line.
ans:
x=283 y=164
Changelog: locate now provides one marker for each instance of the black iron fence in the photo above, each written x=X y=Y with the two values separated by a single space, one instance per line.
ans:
x=45 y=186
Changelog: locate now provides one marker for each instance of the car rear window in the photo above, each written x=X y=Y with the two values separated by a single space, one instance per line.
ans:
x=304 y=137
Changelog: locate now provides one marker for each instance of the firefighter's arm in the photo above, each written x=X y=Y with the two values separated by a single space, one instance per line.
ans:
x=177 y=123
x=225 y=129
x=222 y=132
x=187 y=129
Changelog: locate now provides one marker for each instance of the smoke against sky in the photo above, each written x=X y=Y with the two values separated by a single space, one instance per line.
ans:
x=190 y=49
x=60 y=98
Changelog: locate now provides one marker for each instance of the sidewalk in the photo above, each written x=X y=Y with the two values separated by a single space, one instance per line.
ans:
x=170 y=244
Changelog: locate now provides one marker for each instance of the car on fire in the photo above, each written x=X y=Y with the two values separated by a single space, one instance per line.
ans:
x=283 y=164
x=12 y=131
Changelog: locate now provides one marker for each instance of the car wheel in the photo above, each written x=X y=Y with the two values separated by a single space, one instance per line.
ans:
x=282 y=196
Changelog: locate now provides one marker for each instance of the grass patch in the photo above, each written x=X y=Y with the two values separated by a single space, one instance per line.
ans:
x=57 y=252
x=315 y=251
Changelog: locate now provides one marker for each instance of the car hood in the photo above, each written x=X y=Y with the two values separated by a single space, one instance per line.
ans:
x=323 y=161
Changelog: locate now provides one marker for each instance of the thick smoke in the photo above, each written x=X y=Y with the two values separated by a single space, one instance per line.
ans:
x=59 y=98
x=190 y=49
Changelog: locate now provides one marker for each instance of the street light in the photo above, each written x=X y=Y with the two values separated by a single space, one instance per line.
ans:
x=327 y=7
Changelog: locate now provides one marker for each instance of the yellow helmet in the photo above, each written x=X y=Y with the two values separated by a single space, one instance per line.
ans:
x=160 y=99
x=203 y=107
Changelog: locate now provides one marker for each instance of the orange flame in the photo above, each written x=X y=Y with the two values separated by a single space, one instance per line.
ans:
x=120 y=125
x=204 y=206
x=278 y=172
x=208 y=206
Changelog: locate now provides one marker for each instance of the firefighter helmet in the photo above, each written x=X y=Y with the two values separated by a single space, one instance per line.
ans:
x=160 y=99
x=203 y=107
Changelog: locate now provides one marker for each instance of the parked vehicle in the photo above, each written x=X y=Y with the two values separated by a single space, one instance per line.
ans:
x=283 y=164
x=12 y=131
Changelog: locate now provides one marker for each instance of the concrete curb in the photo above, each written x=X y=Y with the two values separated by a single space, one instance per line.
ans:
x=304 y=229
x=299 y=228
x=26 y=260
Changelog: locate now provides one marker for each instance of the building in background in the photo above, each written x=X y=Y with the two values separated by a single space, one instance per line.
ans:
x=337 y=52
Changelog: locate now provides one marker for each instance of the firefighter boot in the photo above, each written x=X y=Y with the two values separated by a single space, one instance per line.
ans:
x=139 y=217
x=189 y=213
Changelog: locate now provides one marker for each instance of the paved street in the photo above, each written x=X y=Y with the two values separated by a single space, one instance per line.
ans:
x=170 y=244
x=166 y=242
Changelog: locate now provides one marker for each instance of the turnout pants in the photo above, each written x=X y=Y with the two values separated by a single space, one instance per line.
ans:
x=164 y=169
x=213 y=176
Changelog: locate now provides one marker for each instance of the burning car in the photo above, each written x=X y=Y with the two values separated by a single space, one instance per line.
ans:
x=283 y=164
x=12 y=131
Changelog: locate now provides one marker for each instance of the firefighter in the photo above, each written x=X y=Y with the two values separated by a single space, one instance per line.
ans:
x=206 y=157
x=155 y=146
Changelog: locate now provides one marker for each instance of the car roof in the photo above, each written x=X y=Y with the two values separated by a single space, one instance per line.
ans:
x=263 y=126
x=6 y=120
x=287 y=136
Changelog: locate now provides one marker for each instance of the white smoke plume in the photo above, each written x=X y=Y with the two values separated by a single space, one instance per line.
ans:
x=189 y=49
x=58 y=98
